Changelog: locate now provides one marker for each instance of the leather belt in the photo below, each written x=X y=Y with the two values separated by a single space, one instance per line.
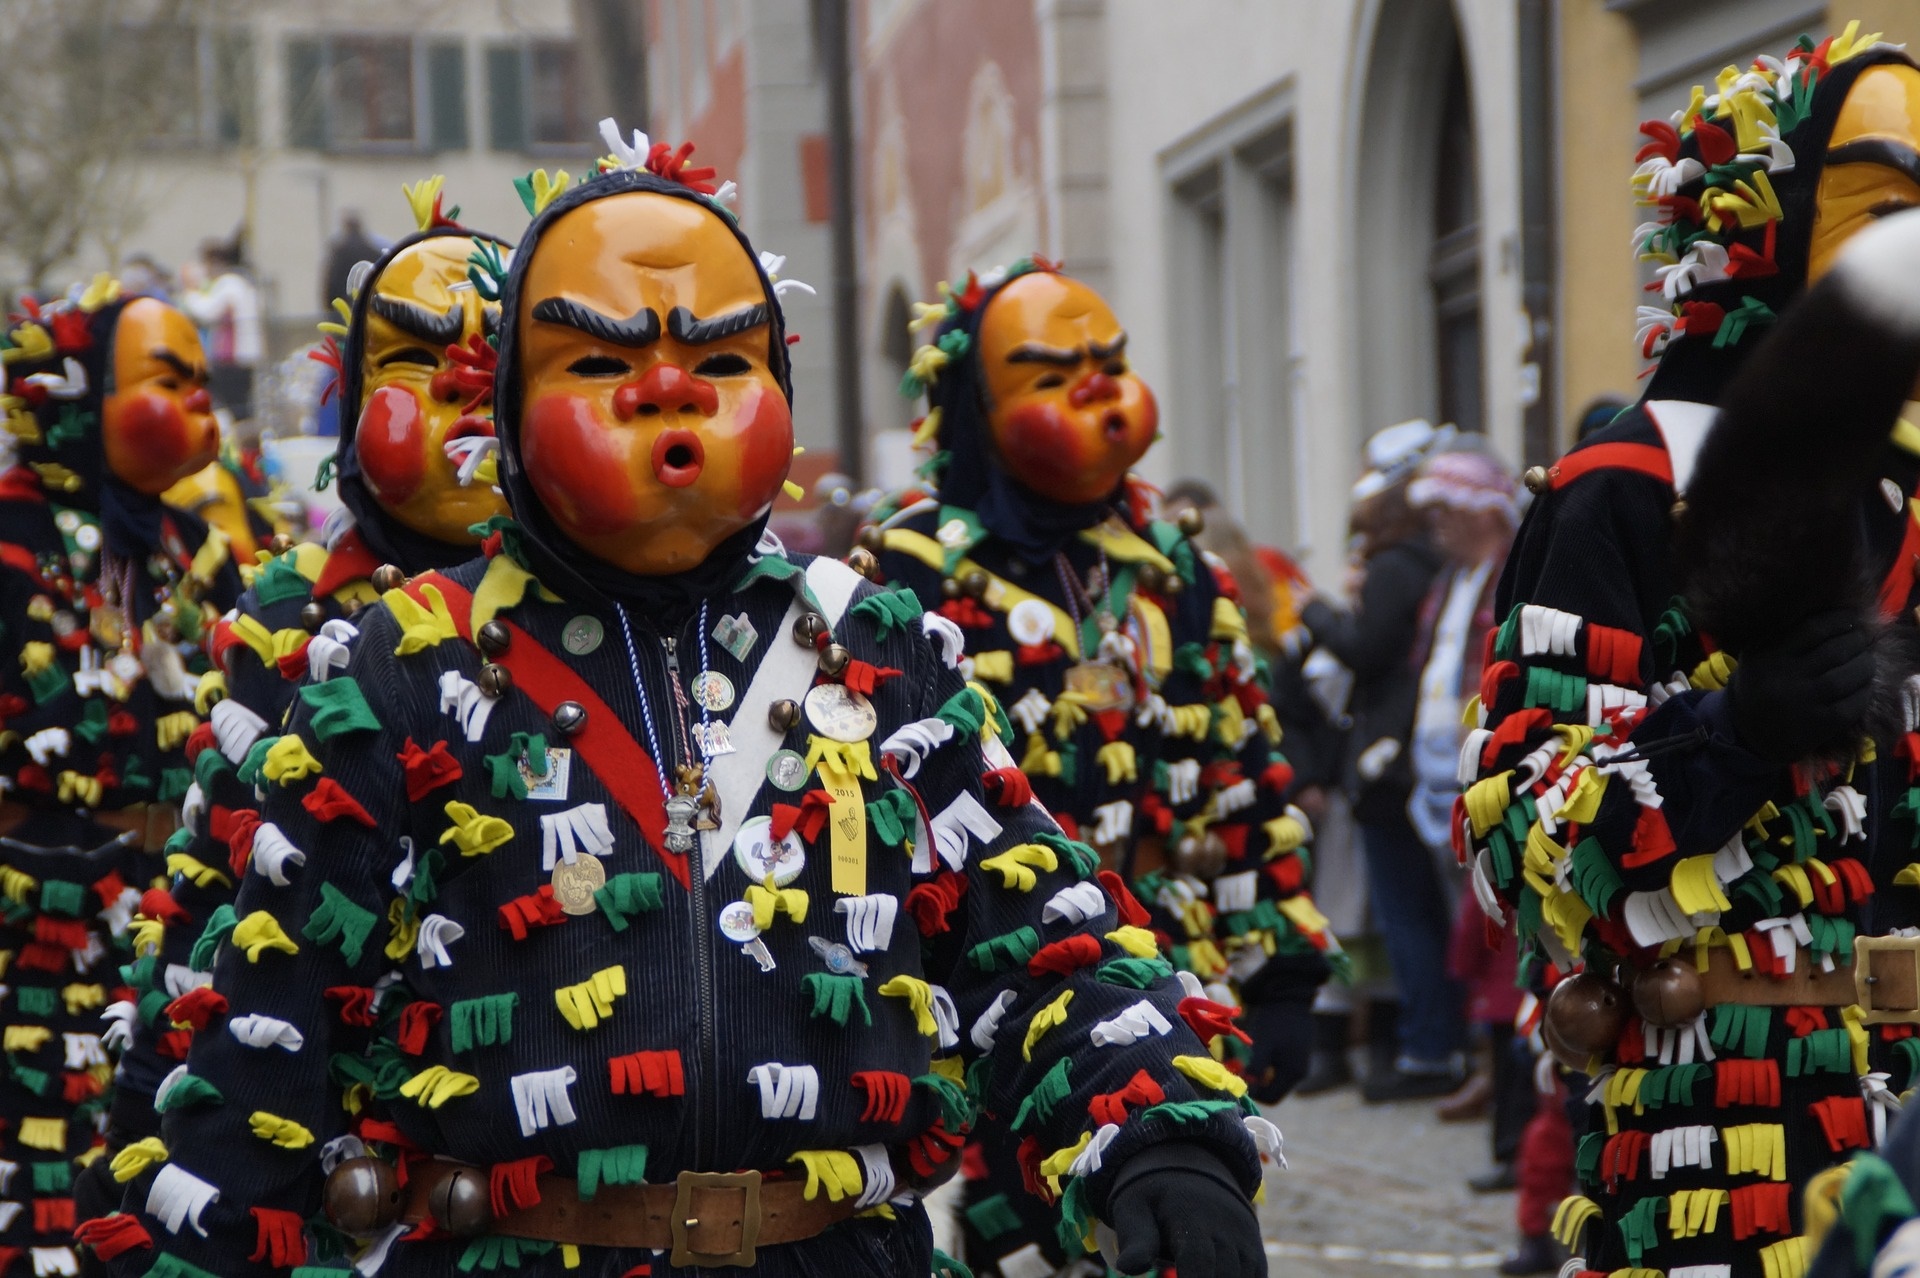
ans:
x=706 y=1219
x=1808 y=986
x=152 y=823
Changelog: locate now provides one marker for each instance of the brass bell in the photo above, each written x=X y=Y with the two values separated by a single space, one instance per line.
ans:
x=280 y=544
x=1585 y=1014
x=569 y=717
x=949 y=588
x=834 y=659
x=1668 y=994
x=354 y=608
x=974 y=582
x=493 y=639
x=388 y=577
x=864 y=562
x=1536 y=479
x=1151 y=578
x=783 y=716
x=873 y=538
x=495 y=680
x=1202 y=856
x=362 y=1197
x=313 y=616
x=1174 y=584
x=807 y=628
x=459 y=1204
x=1191 y=522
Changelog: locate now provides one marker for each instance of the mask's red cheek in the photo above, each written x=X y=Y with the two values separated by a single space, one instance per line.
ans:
x=391 y=441
x=1040 y=445
x=766 y=449
x=577 y=467
x=152 y=435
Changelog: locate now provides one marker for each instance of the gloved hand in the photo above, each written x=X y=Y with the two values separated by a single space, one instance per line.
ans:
x=1807 y=693
x=1277 y=1014
x=1177 y=1204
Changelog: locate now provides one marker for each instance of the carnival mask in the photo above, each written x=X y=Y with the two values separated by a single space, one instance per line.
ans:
x=214 y=494
x=1873 y=161
x=416 y=398
x=157 y=425
x=1068 y=415
x=652 y=427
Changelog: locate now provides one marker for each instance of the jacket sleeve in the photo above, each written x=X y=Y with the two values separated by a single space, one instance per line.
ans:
x=1070 y=1026
x=1604 y=777
x=1377 y=634
x=245 y=1121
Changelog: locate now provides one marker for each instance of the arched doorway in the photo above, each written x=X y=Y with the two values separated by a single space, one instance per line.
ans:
x=1418 y=246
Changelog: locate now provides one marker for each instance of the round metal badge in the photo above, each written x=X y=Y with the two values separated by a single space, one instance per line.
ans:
x=582 y=635
x=87 y=537
x=1030 y=622
x=736 y=923
x=712 y=691
x=758 y=855
x=839 y=713
x=787 y=770
x=575 y=882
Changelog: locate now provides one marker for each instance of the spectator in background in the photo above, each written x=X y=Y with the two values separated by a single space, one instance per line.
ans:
x=225 y=304
x=1471 y=503
x=142 y=276
x=1599 y=412
x=1416 y=1046
x=350 y=247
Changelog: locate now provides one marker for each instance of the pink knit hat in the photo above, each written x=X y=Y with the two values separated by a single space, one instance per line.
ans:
x=1465 y=481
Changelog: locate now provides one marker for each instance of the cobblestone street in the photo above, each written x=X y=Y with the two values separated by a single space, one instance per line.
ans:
x=1380 y=1192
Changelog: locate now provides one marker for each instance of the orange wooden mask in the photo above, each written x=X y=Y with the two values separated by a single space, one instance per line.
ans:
x=1068 y=415
x=652 y=425
x=1873 y=161
x=412 y=404
x=157 y=424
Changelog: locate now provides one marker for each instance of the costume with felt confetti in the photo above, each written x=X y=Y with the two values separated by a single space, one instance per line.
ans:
x=569 y=955
x=1119 y=651
x=417 y=329
x=1620 y=810
x=105 y=596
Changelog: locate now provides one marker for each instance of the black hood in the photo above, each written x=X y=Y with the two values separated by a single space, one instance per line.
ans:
x=1693 y=366
x=391 y=541
x=550 y=555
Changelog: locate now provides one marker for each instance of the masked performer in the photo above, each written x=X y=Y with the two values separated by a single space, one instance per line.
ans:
x=637 y=895
x=416 y=373
x=105 y=595
x=1120 y=653
x=1670 y=767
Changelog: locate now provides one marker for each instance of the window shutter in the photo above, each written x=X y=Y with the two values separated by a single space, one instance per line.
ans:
x=447 y=96
x=306 y=94
x=236 y=88
x=507 y=98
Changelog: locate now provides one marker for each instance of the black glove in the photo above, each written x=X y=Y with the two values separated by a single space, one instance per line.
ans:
x=1277 y=1014
x=1177 y=1204
x=1807 y=693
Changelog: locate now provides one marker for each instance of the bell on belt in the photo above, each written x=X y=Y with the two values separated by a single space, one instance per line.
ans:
x=459 y=1203
x=863 y=561
x=834 y=659
x=807 y=628
x=1584 y=1017
x=569 y=717
x=362 y=1197
x=313 y=616
x=493 y=639
x=1668 y=994
x=783 y=715
x=388 y=577
x=495 y=680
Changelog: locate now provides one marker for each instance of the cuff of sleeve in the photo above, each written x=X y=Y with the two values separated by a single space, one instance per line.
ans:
x=1220 y=1145
x=1715 y=713
x=1176 y=1155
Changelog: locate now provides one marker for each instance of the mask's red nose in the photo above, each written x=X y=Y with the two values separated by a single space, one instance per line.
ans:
x=665 y=388
x=1095 y=388
x=199 y=401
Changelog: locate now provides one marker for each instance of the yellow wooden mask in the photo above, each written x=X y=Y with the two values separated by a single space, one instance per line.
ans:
x=413 y=398
x=214 y=494
x=1068 y=415
x=1873 y=161
x=652 y=424
x=157 y=425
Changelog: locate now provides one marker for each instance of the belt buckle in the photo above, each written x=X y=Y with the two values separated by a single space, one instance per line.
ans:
x=1886 y=975
x=685 y=1217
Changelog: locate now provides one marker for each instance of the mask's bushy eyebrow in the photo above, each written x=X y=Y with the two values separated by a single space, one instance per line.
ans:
x=685 y=327
x=640 y=329
x=440 y=328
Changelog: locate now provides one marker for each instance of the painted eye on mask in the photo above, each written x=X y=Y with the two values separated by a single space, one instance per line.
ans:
x=722 y=366
x=1049 y=381
x=599 y=366
x=411 y=355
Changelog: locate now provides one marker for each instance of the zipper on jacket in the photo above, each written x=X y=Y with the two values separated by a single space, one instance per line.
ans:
x=702 y=923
